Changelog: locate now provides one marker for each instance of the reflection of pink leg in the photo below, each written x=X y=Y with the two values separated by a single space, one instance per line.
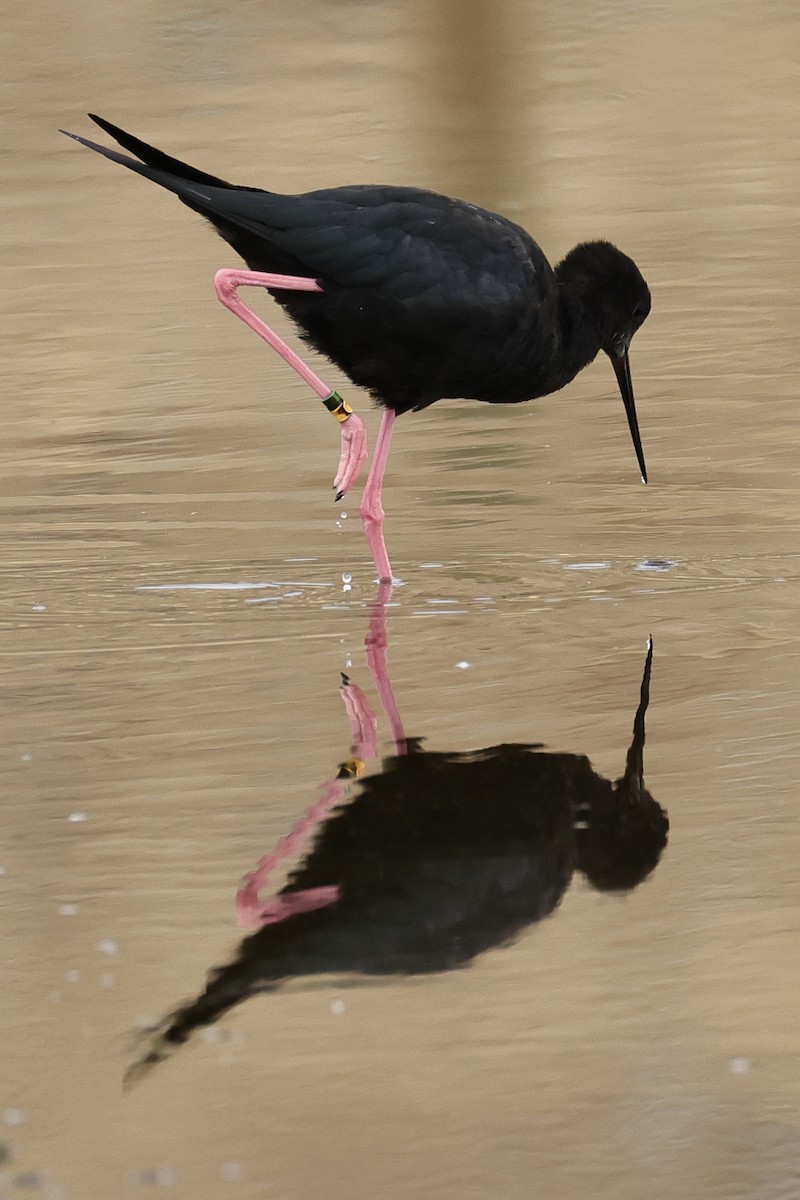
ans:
x=371 y=508
x=252 y=912
x=377 y=644
x=363 y=722
x=353 y=433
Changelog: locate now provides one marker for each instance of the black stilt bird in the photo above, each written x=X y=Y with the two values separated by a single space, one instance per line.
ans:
x=415 y=296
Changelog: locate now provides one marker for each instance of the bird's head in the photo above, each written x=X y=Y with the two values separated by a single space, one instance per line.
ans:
x=615 y=300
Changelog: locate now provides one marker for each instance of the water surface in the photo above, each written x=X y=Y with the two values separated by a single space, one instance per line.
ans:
x=180 y=596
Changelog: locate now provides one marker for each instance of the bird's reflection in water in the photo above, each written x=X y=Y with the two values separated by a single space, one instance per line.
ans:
x=433 y=861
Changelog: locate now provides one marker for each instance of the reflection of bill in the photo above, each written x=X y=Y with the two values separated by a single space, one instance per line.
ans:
x=434 y=860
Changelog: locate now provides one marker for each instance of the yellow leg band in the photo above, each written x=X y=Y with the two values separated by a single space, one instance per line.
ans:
x=337 y=406
x=352 y=768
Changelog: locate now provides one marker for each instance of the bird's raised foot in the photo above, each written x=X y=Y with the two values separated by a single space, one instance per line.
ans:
x=353 y=456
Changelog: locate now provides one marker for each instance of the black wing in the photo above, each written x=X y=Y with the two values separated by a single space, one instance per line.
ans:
x=409 y=246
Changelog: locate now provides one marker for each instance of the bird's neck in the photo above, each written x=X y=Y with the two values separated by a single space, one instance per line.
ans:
x=581 y=337
x=560 y=340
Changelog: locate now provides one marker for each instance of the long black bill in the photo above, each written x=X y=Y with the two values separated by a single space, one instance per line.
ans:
x=622 y=370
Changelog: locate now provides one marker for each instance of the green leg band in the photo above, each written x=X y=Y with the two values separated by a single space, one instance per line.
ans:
x=337 y=406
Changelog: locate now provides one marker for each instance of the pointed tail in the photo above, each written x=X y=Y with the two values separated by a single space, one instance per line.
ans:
x=155 y=164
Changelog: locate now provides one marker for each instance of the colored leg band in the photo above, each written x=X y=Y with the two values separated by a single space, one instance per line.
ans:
x=336 y=405
x=352 y=768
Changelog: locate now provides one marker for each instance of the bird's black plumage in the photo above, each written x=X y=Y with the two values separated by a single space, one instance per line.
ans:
x=424 y=297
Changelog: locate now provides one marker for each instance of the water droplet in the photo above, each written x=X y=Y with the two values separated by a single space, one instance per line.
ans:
x=38 y=608
x=107 y=946
x=67 y=910
x=739 y=1066
x=337 y=1007
x=15 y=1116
x=347 y=577
x=77 y=816
x=463 y=665
x=26 y=757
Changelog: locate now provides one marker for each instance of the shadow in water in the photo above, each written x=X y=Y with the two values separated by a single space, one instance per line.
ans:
x=429 y=863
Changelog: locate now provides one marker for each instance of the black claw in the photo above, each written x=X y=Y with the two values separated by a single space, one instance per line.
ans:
x=338 y=497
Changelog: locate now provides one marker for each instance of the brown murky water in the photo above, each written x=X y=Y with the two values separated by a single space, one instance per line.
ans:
x=180 y=595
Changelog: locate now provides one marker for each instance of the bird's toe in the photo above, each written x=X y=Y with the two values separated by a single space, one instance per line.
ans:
x=353 y=455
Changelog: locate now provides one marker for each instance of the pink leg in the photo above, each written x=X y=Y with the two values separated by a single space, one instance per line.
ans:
x=353 y=433
x=371 y=508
